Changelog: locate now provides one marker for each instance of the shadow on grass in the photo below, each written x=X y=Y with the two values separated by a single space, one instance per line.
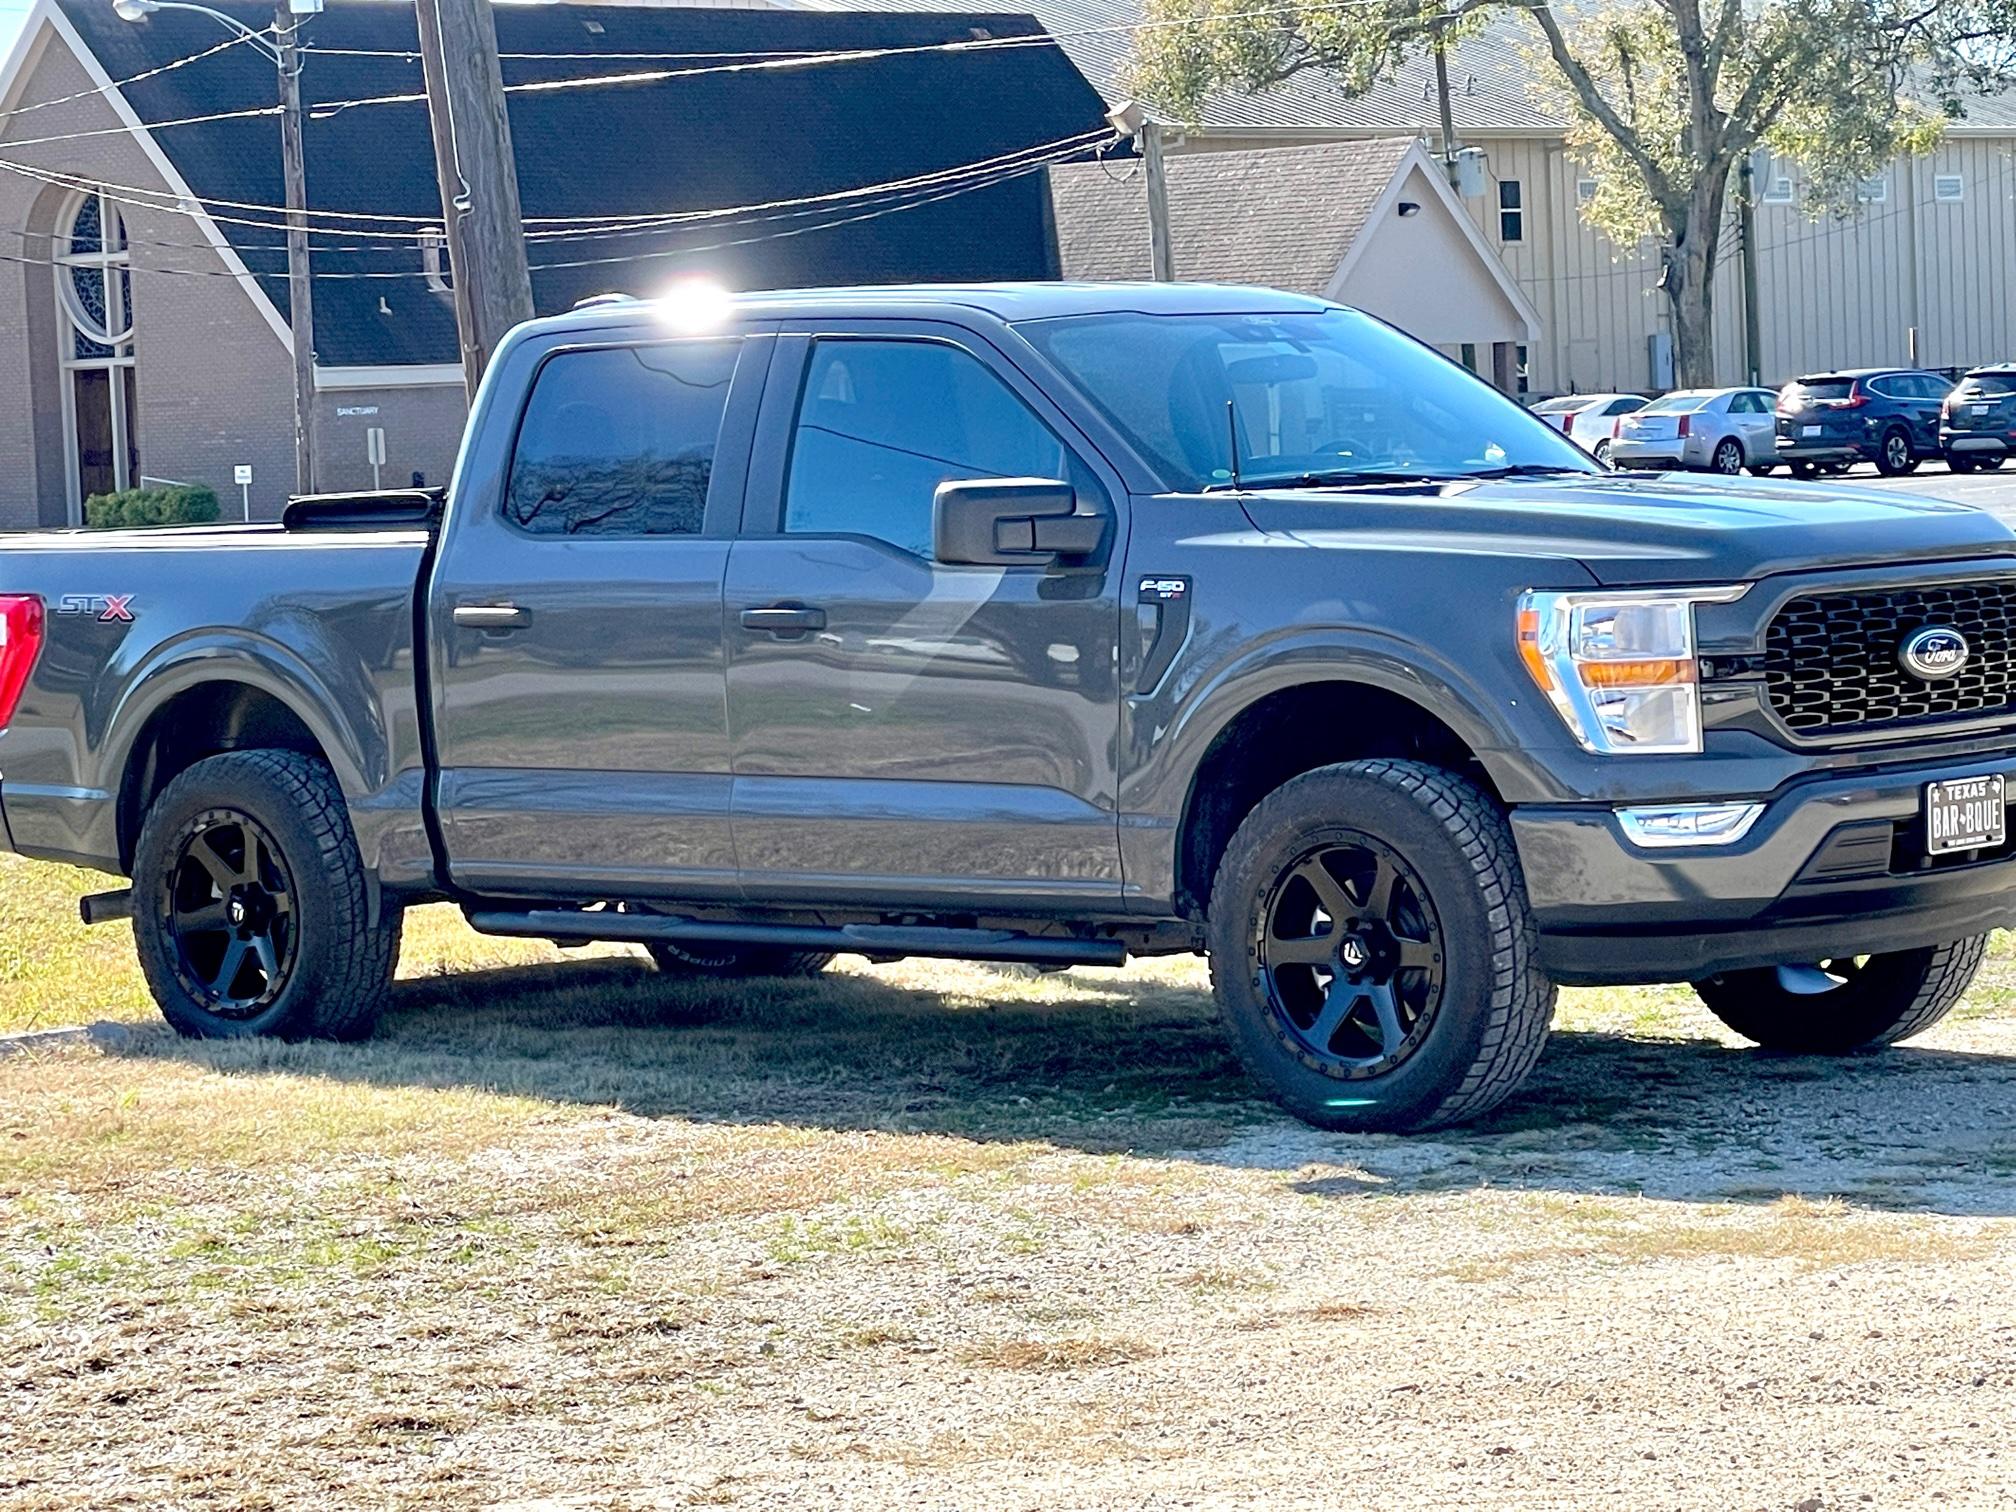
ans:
x=1110 y=1062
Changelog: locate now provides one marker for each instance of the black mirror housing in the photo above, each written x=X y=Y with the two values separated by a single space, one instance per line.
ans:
x=1011 y=522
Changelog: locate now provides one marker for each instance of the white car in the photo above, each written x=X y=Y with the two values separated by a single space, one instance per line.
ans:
x=1591 y=421
x=1719 y=430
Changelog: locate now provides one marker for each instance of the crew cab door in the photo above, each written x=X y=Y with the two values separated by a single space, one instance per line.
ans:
x=575 y=622
x=905 y=732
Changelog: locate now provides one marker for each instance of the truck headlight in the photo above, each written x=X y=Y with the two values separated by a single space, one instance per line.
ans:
x=1619 y=667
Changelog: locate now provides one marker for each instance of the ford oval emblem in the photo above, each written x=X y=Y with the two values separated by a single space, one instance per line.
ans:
x=1933 y=652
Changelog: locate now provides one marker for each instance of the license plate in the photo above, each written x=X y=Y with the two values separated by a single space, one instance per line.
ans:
x=1966 y=813
x=1809 y=430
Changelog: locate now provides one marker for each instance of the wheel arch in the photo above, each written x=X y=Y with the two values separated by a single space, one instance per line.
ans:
x=214 y=698
x=1313 y=722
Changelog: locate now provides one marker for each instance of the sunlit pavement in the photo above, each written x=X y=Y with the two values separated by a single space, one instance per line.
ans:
x=1986 y=490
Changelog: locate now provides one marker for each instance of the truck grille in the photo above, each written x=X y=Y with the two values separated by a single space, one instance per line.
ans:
x=1830 y=662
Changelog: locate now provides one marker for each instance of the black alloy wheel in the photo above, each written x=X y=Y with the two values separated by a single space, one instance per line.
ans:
x=253 y=913
x=1352 y=956
x=229 y=902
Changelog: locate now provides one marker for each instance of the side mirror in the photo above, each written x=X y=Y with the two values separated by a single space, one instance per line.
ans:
x=1011 y=522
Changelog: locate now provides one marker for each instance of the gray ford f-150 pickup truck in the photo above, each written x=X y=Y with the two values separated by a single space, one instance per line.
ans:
x=1046 y=624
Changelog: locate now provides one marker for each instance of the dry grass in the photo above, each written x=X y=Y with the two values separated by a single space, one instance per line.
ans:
x=963 y=1236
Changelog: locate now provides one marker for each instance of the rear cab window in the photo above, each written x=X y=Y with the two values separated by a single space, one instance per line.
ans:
x=620 y=440
x=1986 y=385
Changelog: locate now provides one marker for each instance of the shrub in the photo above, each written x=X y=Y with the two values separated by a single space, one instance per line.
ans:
x=173 y=504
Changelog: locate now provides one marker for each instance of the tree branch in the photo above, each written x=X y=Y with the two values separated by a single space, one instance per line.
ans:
x=1592 y=100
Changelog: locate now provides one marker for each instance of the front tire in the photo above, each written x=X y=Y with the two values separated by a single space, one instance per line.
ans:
x=1371 y=949
x=1836 y=1007
x=251 y=909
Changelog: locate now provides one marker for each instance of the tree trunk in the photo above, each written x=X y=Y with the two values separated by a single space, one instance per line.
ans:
x=1694 y=235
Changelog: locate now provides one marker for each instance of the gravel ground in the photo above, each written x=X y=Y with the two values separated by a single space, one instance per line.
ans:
x=961 y=1246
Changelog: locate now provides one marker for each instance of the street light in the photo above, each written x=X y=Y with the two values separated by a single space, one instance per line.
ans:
x=300 y=288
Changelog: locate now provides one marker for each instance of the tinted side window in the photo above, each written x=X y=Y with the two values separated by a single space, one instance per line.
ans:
x=620 y=441
x=882 y=423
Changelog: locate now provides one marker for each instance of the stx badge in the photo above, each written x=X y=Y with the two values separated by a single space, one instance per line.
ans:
x=106 y=608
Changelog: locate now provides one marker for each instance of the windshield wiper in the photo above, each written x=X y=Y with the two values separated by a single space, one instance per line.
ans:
x=1530 y=470
x=1338 y=478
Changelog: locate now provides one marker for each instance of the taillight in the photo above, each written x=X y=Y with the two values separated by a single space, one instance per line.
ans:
x=20 y=644
x=1616 y=427
x=1686 y=427
x=1946 y=408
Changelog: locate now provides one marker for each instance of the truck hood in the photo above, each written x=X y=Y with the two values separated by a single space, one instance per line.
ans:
x=1643 y=529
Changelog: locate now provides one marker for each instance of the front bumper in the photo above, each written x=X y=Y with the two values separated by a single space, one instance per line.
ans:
x=1834 y=867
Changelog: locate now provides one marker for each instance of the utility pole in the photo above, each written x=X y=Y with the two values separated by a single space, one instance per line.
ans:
x=1746 y=237
x=1161 y=256
x=300 y=282
x=1442 y=97
x=478 y=176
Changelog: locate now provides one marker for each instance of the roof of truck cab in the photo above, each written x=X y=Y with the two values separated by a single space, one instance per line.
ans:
x=1009 y=302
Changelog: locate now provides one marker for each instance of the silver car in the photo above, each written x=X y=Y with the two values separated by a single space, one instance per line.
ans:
x=1720 y=430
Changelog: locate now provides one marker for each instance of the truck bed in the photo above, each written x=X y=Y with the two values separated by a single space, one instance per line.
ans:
x=311 y=622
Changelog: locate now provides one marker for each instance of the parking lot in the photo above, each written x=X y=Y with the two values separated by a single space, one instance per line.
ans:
x=1986 y=490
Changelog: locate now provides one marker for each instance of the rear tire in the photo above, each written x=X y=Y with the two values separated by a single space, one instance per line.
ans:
x=1877 y=1001
x=252 y=913
x=1959 y=464
x=1371 y=949
x=1728 y=458
x=1601 y=452
x=1803 y=469
x=1894 y=455
x=697 y=960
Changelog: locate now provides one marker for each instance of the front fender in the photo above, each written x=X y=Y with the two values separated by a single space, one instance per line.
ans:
x=1169 y=735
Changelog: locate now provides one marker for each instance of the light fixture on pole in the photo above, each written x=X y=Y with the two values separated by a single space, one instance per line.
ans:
x=286 y=58
x=1131 y=119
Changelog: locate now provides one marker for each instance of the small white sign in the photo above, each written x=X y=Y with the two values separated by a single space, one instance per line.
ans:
x=242 y=474
x=374 y=446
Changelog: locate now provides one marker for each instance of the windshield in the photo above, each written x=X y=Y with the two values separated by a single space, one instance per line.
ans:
x=1566 y=404
x=1329 y=395
x=1683 y=403
x=1820 y=390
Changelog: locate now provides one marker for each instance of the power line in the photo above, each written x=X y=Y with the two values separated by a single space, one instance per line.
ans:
x=329 y=108
x=902 y=194
x=235 y=40
x=586 y=226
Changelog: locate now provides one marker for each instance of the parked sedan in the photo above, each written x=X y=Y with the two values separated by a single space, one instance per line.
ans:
x=1722 y=430
x=1889 y=416
x=1592 y=421
x=1977 y=424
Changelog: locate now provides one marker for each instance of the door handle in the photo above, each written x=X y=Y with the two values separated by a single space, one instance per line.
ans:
x=491 y=616
x=786 y=621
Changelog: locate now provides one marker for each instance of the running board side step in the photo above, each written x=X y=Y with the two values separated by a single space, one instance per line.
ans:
x=862 y=939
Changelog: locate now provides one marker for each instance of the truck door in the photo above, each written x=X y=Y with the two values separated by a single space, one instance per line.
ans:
x=906 y=732
x=575 y=624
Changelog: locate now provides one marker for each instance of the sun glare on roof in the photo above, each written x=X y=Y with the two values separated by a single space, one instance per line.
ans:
x=693 y=304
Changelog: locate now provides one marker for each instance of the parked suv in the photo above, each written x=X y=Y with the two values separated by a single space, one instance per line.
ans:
x=1889 y=416
x=1977 y=423
x=1050 y=623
